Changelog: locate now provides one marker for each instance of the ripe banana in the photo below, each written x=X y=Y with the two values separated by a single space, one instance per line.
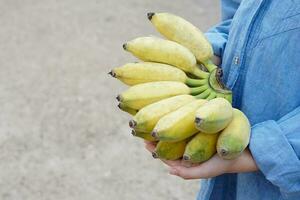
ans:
x=178 y=125
x=127 y=109
x=138 y=96
x=143 y=135
x=201 y=148
x=169 y=150
x=164 y=51
x=143 y=72
x=183 y=32
x=148 y=116
x=235 y=137
x=213 y=116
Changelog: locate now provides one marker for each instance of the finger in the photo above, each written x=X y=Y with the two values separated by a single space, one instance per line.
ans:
x=188 y=172
x=185 y=163
x=216 y=60
x=149 y=142
x=171 y=163
x=150 y=147
x=208 y=169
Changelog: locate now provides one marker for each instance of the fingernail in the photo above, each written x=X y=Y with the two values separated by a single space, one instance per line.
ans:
x=173 y=171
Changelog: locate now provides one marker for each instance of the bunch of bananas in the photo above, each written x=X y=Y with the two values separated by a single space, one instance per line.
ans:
x=176 y=95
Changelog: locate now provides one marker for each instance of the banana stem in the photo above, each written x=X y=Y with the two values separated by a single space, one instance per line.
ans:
x=211 y=96
x=204 y=94
x=216 y=83
x=210 y=66
x=228 y=97
x=195 y=82
x=199 y=73
x=198 y=90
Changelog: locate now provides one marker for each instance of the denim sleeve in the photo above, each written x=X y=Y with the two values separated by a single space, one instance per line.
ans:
x=218 y=34
x=275 y=146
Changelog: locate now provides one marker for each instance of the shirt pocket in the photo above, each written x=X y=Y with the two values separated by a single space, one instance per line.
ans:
x=288 y=19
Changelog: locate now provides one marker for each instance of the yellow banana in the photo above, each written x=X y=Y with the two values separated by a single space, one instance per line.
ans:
x=169 y=150
x=143 y=72
x=143 y=135
x=213 y=116
x=235 y=137
x=178 y=125
x=138 y=96
x=201 y=148
x=164 y=51
x=183 y=32
x=148 y=116
x=144 y=94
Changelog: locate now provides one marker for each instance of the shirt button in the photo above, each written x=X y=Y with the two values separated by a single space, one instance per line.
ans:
x=236 y=60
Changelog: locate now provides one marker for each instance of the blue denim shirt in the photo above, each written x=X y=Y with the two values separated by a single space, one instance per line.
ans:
x=259 y=43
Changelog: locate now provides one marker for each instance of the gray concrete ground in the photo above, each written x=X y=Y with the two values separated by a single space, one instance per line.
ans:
x=61 y=135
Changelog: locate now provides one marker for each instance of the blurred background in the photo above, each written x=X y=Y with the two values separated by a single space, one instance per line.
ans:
x=61 y=134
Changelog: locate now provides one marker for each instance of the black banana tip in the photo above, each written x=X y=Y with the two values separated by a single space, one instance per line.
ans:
x=133 y=133
x=219 y=72
x=150 y=15
x=112 y=73
x=125 y=46
x=154 y=154
x=119 y=99
x=154 y=134
x=186 y=157
x=224 y=152
x=198 y=120
x=132 y=123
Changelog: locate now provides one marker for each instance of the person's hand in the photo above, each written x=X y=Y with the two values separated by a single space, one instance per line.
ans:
x=216 y=60
x=211 y=168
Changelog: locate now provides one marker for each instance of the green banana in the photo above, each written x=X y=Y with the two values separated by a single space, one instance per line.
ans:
x=164 y=51
x=201 y=148
x=169 y=150
x=138 y=96
x=148 y=116
x=143 y=72
x=183 y=32
x=127 y=109
x=178 y=125
x=213 y=116
x=143 y=135
x=235 y=137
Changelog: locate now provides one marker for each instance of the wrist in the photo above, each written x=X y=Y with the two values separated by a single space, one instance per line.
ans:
x=243 y=163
